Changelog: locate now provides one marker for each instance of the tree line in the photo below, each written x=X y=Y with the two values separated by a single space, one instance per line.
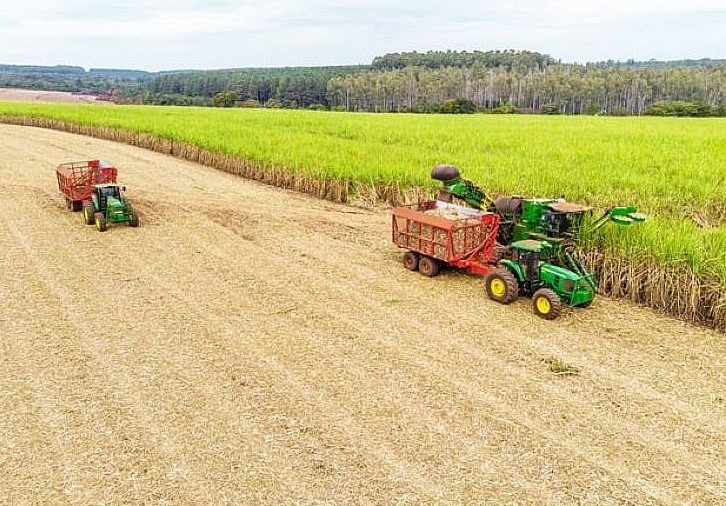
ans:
x=556 y=89
x=436 y=81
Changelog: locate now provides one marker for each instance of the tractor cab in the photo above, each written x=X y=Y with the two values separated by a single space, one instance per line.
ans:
x=105 y=195
x=529 y=255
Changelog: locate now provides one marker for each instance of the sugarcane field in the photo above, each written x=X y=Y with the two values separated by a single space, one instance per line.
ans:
x=229 y=341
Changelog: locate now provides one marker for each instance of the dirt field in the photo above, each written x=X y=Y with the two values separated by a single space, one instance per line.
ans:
x=21 y=95
x=247 y=345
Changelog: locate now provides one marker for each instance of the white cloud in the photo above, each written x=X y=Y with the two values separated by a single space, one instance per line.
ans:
x=164 y=34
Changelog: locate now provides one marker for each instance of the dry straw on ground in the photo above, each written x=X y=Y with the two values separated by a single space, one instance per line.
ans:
x=251 y=345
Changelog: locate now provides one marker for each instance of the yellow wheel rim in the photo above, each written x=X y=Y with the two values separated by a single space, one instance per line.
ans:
x=498 y=287
x=543 y=305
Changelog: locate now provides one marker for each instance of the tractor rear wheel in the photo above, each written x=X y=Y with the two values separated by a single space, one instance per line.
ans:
x=501 y=285
x=428 y=266
x=546 y=304
x=100 y=222
x=88 y=216
x=410 y=260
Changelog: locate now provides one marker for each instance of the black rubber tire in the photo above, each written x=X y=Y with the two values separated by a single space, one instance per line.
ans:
x=501 y=285
x=429 y=266
x=134 y=221
x=410 y=260
x=546 y=304
x=76 y=205
x=100 y=221
x=88 y=215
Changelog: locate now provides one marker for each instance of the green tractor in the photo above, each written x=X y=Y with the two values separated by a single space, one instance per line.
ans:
x=530 y=273
x=108 y=204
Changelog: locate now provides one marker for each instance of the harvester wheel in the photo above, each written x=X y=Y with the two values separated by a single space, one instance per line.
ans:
x=546 y=304
x=134 y=221
x=428 y=266
x=501 y=285
x=88 y=216
x=410 y=260
x=100 y=222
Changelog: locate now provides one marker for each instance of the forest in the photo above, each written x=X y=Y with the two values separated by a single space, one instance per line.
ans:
x=506 y=81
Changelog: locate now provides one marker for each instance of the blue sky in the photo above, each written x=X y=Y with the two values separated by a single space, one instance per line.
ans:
x=206 y=34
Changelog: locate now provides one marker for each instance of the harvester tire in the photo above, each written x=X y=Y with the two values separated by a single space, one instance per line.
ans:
x=546 y=304
x=134 y=221
x=88 y=216
x=501 y=285
x=428 y=267
x=100 y=220
x=410 y=260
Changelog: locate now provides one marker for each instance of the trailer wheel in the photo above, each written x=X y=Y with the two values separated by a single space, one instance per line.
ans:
x=76 y=205
x=100 y=222
x=88 y=216
x=428 y=266
x=501 y=285
x=411 y=260
x=546 y=304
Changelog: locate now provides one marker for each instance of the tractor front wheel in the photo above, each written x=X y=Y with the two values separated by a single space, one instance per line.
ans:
x=501 y=285
x=546 y=304
x=100 y=222
x=134 y=221
x=410 y=260
x=428 y=266
x=88 y=216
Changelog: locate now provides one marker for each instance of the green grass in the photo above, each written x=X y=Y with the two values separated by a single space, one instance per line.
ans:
x=670 y=168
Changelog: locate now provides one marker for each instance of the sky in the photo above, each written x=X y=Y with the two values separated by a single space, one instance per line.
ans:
x=156 y=35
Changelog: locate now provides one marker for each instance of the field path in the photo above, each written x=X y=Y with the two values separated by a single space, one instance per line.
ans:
x=249 y=345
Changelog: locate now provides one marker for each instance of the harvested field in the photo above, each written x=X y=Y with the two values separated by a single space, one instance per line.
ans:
x=251 y=345
x=23 y=95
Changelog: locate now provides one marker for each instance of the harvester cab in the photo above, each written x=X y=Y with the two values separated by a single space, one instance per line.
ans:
x=530 y=272
x=108 y=204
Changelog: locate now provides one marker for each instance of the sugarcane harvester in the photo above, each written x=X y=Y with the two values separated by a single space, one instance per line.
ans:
x=554 y=220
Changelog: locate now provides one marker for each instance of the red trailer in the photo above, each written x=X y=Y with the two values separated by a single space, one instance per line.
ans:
x=76 y=180
x=436 y=232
